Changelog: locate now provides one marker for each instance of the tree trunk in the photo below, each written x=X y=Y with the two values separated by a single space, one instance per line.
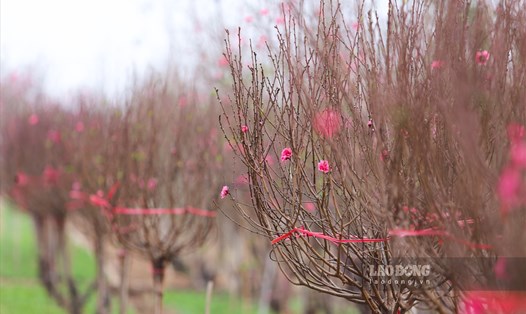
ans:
x=123 y=295
x=46 y=272
x=75 y=304
x=158 y=278
x=103 y=300
x=209 y=288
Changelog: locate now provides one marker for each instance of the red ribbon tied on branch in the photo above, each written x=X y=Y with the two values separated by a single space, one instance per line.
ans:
x=104 y=203
x=302 y=231
x=393 y=233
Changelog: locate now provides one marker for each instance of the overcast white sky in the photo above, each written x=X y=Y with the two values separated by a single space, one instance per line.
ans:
x=97 y=43
x=100 y=43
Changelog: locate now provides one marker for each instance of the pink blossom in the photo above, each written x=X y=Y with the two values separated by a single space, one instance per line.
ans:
x=323 y=166
x=411 y=210
x=518 y=154
x=79 y=127
x=224 y=192
x=261 y=41
x=327 y=123
x=51 y=175
x=249 y=19
x=76 y=186
x=76 y=195
x=370 y=123
x=482 y=57
x=263 y=11
x=509 y=187
x=33 y=119
x=437 y=64
x=474 y=305
x=244 y=128
x=183 y=100
x=310 y=207
x=355 y=26
x=286 y=154
x=242 y=179
x=516 y=132
x=269 y=160
x=485 y=302
x=280 y=20
x=227 y=147
x=384 y=155
x=121 y=253
x=54 y=136
x=21 y=179
x=222 y=62
x=500 y=268
x=151 y=184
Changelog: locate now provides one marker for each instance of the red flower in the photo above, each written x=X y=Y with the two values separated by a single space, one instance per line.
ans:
x=224 y=192
x=286 y=154
x=323 y=166
x=482 y=57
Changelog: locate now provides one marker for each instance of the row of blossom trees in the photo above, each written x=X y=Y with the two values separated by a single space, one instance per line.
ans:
x=143 y=172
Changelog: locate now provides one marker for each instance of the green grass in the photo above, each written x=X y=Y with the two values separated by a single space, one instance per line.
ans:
x=25 y=298
x=21 y=292
x=190 y=302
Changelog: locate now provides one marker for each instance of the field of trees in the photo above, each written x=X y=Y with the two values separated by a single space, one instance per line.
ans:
x=338 y=161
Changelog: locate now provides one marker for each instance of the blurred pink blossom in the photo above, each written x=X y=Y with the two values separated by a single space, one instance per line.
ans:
x=384 y=155
x=76 y=186
x=437 y=64
x=242 y=179
x=482 y=57
x=183 y=100
x=286 y=154
x=355 y=26
x=21 y=179
x=323 y=166
x=516 y=132
x=79 y=127
x=263 y=11
x=222 y=62
x=518 y=154
x=500 y=268
x=490 y=302
x=327 y=123
x=280 y=20
x=244 y=128
x=151 y=184
x=261 y=41
x=310 y=207
x=33 y=119
x=249 y=19
x=54 y=136
x=509 y=187
x=269 y=160
x=51 y=175
x=224 y=192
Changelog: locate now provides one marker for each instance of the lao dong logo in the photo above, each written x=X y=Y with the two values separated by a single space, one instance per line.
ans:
x=399 y=270
x=407 y=275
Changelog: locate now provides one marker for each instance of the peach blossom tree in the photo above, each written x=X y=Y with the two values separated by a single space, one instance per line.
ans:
x=391 y=141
